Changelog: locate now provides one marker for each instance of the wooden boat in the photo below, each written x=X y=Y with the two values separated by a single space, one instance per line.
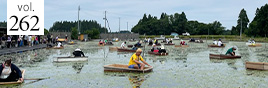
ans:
x=156 y=53
x=216 y=46
x=257 y=65
x=130 y=46
x=15 y=82
x=256 y=45
x=107 y=44
x=125 y=50
x=181 y=45
x=113 y=48
x=223 y=56
x=124 y=68
x=70 y=59
x=156 y=44
x=58 y=47
x=170 y=44
x=71 y=43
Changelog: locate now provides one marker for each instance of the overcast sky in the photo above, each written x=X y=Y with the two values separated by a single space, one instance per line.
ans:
x=131 y=11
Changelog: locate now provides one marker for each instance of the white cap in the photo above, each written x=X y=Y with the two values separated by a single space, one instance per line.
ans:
x=162 y=47
x=235 y=47
x=77 y=49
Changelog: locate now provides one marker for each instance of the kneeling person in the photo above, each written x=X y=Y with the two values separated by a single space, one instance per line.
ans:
x=78 y=53
x=134 y=61
x=10 y=72
x=231 y=51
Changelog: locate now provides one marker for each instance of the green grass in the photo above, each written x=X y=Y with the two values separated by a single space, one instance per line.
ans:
x=211 y=37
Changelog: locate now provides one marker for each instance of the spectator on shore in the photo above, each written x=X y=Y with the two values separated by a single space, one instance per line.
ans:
x=25 y=39
x=8 y=41
x=29 y=40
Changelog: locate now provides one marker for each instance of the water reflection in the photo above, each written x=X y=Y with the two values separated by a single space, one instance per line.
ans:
x=230 y=62
x=135 y=79
x=77 y=66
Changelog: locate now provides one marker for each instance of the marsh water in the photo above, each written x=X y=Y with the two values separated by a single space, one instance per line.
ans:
x=183 y=67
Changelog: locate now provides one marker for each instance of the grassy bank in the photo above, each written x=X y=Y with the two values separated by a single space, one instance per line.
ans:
x=211 y=37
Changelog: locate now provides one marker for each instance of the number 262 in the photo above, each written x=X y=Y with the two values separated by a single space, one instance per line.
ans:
x=24 y=22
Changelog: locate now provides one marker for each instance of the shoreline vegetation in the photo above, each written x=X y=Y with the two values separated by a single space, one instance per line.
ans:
x=211 y=37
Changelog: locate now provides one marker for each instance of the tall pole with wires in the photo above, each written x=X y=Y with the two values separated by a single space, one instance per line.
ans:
x=78 y=20
x=105 y=20
x=119 y=24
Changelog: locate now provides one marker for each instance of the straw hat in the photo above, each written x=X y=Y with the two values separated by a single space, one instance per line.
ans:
x=139 y=50
x=77 y=49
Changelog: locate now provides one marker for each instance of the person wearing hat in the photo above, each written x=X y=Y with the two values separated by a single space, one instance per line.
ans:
x=135 y=59
x=154 y=48
x=220 y=43
x=162 y=49
x=77 y=53
x=182 y=42
x=231 y=51
x=10 y=72
x=123 y=45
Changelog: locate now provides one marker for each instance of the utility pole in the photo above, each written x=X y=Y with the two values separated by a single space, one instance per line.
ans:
x=119 y=24
x=127 y=26
x=78 y=20
x=105 y=19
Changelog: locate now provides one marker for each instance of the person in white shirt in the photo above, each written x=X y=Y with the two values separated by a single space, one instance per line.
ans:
x=215 y=42
x=29 y=40
x=123 y=45
x=220 y=43
x=59 y=44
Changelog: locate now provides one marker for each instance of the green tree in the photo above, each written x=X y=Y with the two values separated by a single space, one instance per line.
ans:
x=259 y=26
x=74 y=33
x=46 y=31
x=242 y=20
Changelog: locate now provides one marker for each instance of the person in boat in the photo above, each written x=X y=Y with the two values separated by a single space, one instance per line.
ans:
x=101 y=42
x=135 y=59
x=78 y=53
x=105 y=41
x=192 y=40
x=200 y=40
x=150 y=41
x=170 y=41
x=220 y=43
x=135 y=47
x=123 y=45
x=214 y=42
x=138 y=44
x=231 y=51
x=59 y=44
x=154 y=48
x=182 y=42
x=162 y=49
x=253 y=42
x=155 y=41
x=10 y=72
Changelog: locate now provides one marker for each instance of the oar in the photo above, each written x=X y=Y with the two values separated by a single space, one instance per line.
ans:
x=35 y=78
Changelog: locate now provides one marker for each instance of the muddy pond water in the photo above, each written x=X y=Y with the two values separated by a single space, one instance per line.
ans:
x=183 y=67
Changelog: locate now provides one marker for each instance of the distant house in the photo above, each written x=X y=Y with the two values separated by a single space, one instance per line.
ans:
x=186 y=34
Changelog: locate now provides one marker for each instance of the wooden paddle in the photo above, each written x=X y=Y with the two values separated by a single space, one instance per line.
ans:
x=36 y=78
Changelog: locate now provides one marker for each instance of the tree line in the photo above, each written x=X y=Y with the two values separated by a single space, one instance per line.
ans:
x=178 y=23
x=151 y=25
x=92 y=28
